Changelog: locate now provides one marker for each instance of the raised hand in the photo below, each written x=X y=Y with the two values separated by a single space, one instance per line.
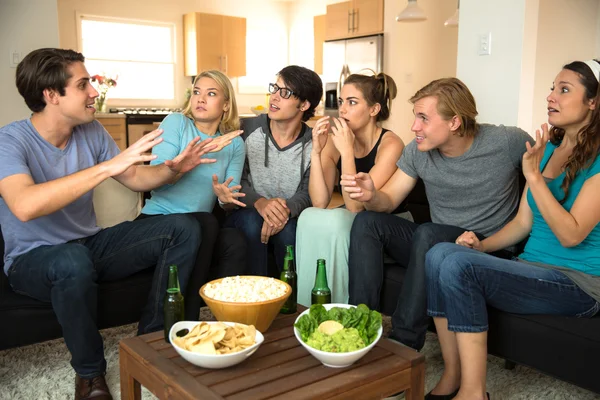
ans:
x=274 y=211
x=534 y=154
x=226 y=194
x=191 y=156
x=319 y=134
x=469 y=239
x=342 y=137
x=138 y=152
x=224 y=140
x=359 y=187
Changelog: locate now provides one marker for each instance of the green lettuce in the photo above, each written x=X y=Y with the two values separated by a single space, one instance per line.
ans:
x=365 y=321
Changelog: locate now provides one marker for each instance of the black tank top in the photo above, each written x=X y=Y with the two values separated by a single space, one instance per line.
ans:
x=367 y=162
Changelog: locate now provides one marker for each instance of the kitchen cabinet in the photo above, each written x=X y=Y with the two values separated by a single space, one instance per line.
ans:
x=320 y=22
x=354 y=18
x=115 y=126
x=214 y=42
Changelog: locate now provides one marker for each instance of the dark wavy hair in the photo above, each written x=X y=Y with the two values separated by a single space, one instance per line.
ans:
x=44 y=69
x=305 y=84
x=377 y=89
x=588 y=139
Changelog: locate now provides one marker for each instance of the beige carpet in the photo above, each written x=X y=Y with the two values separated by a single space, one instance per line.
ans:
x=42 y=371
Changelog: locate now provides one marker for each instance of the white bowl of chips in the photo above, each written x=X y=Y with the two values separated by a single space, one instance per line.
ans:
x=213 y=344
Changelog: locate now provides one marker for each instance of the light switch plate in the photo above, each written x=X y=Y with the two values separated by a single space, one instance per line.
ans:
x=485 y=44
x=14 y=58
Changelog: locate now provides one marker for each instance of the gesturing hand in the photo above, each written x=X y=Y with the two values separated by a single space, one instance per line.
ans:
x=469 y=239
x=342 y=137
x=360 y=186
x=274 y=211
x=136 y=153
x=319 y=134
x=226 y=194
x=534 y=154
x=224 y=140
x=191 y=156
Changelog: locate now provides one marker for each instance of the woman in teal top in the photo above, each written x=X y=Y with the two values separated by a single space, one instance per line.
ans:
x=211 y=114
x=558 y=272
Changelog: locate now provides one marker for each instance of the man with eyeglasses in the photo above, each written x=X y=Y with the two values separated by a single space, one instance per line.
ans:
x=275 y=176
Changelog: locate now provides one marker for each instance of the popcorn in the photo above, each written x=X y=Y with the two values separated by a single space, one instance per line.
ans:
x=241 y=289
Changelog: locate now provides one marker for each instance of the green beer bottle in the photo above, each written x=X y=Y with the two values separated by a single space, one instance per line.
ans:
x=288 y=275
x=321 y=294
x=173 y=306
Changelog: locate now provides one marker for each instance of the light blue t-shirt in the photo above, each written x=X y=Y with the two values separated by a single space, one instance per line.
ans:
x=193 y=192
x=543 y=246
x=24 y=151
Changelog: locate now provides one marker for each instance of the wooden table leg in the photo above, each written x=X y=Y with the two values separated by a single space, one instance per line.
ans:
x=130 y=388
x=417 y=383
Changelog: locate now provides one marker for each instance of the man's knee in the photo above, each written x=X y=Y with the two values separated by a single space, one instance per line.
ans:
x=366 y=223
x=428 y=234
x=74 y=262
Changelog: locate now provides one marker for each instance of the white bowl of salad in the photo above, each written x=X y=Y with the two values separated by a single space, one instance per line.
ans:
x=338 y=335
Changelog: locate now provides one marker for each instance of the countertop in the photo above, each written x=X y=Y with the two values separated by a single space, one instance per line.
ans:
x=109 y=115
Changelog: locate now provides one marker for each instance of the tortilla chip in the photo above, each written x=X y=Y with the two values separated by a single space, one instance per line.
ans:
x=217 y=338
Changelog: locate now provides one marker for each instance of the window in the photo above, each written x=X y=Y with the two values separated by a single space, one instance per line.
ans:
x=139 y=53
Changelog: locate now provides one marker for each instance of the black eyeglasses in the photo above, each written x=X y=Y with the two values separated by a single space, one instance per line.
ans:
x=283 y=92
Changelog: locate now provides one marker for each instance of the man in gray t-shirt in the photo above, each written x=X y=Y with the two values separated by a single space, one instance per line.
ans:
x=54 y=251
x=471 y=176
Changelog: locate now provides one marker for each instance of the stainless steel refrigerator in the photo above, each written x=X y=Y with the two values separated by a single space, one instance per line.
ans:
x=348 y=56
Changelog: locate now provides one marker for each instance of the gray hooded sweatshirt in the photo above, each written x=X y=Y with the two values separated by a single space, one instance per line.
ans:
x=271 y=171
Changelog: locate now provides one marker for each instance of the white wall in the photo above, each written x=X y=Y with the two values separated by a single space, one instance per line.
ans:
x=531 y=40
x=493 y=79
x=17 y=17
x=559 y=46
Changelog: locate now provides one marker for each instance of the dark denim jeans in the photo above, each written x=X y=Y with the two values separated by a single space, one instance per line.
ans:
x=222 y=253
x=67 y=276
x=462 y=281
x=250 y=223
x=407 y=243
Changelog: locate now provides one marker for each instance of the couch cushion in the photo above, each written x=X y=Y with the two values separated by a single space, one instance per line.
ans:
x=114 y=203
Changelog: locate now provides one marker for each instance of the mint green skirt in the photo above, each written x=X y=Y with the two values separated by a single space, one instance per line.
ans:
x=323 y=233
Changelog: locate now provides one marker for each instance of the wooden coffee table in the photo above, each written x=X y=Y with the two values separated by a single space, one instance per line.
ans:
x=280 y=369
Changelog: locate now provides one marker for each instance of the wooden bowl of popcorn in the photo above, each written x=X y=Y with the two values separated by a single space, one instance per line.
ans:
x=250 y=300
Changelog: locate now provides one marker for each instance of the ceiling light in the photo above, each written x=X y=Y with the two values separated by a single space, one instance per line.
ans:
x=412 y=12
x=453 y=20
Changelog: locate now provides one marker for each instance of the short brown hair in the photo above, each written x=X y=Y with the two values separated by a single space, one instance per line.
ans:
x=454 y=99
x=44 y=69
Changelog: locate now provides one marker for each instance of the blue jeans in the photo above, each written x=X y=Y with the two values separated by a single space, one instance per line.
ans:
x=250 y=223
x=407 y=243
x=462 y=281
x=67 y=275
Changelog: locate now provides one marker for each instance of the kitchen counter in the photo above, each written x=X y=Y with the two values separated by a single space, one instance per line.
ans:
x=109 y=115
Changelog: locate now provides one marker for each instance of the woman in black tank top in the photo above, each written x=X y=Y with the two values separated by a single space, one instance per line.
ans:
x=354 y=142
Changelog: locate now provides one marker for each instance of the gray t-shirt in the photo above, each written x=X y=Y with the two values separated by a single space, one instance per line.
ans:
x=478 y=190
x=24 y=151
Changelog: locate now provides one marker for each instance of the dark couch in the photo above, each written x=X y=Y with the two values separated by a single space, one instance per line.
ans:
x=564 y=347
x=26 y=320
